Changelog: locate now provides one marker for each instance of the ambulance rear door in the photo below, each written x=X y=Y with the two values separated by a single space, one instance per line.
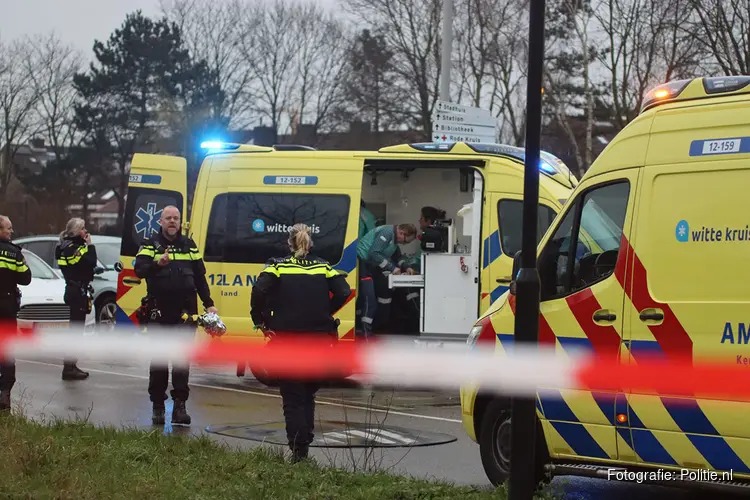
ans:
x=155 y=181
x=248 y=223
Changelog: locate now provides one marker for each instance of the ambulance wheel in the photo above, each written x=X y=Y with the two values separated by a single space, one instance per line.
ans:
x=262 y=376
x=494 y=444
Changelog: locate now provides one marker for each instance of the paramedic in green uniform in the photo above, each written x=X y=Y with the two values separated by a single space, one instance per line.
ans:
x=379 y=256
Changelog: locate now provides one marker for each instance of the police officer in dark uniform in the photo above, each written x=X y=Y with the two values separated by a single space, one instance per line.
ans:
x=174 y=271
x=76 y=258
x=13 y=272
x=298 y=294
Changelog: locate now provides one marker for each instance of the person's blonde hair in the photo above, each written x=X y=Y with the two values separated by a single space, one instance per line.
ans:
x=74 y=226
x=300 y=241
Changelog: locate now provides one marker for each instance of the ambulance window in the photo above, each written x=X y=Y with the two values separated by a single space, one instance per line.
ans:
x=142 y=212
x=251 y=228
x=592 y=246
x=510 y=221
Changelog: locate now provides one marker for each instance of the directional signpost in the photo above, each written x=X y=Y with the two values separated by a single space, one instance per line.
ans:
x=457 y=123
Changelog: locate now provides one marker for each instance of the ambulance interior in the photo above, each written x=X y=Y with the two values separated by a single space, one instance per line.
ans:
x=442 y=300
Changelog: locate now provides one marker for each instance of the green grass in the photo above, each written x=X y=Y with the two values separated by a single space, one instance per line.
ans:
x=75 y=460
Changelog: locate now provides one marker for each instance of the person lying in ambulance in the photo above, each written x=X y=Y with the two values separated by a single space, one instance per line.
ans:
x=379 y=256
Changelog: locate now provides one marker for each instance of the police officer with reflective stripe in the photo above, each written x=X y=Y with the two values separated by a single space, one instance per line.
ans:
x=13 y=272
x=174 y=272
x=298 y=294
x=76 y=258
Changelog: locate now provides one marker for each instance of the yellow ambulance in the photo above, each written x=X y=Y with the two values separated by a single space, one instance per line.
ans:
x=246 y=198
x=649 y=258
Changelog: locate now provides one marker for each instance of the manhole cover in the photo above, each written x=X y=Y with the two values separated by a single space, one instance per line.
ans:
x=338 y=434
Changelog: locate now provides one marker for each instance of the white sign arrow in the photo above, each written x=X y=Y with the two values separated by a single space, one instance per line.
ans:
x=484 y=121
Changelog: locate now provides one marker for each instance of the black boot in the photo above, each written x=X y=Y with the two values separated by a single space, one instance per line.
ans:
x=4 y=401
x=179 y=413
x=157 y=416
x=72 y=372
x=299 y=452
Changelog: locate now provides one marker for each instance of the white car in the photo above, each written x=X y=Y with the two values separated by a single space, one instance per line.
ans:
x=105 y=284
x=42 y=300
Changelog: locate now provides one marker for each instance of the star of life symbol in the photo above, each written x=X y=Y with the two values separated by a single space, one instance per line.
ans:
x=148 y=220
x=682 y=231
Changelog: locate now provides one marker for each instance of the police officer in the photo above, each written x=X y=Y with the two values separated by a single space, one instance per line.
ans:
x=379 y=256
x=13 y=272
x=76 y=258
x=174 y=271
x=298 y=294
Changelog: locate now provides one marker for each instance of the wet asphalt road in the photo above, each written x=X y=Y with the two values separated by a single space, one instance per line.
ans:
x=116 y=394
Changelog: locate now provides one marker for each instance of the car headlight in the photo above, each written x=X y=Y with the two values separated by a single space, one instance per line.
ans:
x=474 y=335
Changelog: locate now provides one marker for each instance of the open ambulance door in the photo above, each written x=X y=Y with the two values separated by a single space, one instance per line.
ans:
x=156 y=181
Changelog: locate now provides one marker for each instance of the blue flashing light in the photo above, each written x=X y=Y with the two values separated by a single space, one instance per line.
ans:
x=547 y=168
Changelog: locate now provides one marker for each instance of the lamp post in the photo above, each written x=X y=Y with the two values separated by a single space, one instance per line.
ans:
x=523 y=410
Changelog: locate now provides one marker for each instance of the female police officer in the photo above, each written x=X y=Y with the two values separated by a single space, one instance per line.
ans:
x=298 y=294
x=76 y=257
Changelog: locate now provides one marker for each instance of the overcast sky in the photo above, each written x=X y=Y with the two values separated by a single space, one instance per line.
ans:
x=79 y=22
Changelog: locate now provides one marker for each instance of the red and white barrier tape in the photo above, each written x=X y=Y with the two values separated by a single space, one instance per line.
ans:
x=522 y=371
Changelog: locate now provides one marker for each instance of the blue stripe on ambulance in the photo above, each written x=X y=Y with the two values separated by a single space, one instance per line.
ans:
x=688 y=416
x=606 y=403
x=497 y=293
x=348 y=258
x=579 y=439
x=491 y=249
x=718 y=453
x=645 y=444
x=121 y=317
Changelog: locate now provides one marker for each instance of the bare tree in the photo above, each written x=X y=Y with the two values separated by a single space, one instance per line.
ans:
x=569 y=85
x=18 y=100
x=51 y=68
x=723 y=29
x=211 y=32
x=491 y=49
x=371 y=85
x=647 y=43
x=269 y=46
x=322 y=42
x=411 y=28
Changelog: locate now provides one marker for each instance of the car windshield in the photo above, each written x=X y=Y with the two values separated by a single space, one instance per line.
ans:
x=39 y=269
x=108 y=253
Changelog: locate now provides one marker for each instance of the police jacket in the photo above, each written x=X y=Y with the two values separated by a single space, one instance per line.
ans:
x=298 y=295
x=13 y=269
x=76 y=260
x=184 y=275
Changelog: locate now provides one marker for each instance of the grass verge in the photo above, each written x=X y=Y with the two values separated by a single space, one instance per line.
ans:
x=67 y=460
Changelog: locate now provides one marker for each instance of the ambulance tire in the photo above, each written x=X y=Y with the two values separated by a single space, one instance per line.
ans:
x=494 y=444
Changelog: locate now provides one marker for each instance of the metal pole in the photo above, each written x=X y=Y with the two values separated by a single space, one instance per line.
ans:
x=447 y=49
x=523 y=411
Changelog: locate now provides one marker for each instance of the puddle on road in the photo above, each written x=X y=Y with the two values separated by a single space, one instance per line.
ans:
x=356 y=395
x=338 y=434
